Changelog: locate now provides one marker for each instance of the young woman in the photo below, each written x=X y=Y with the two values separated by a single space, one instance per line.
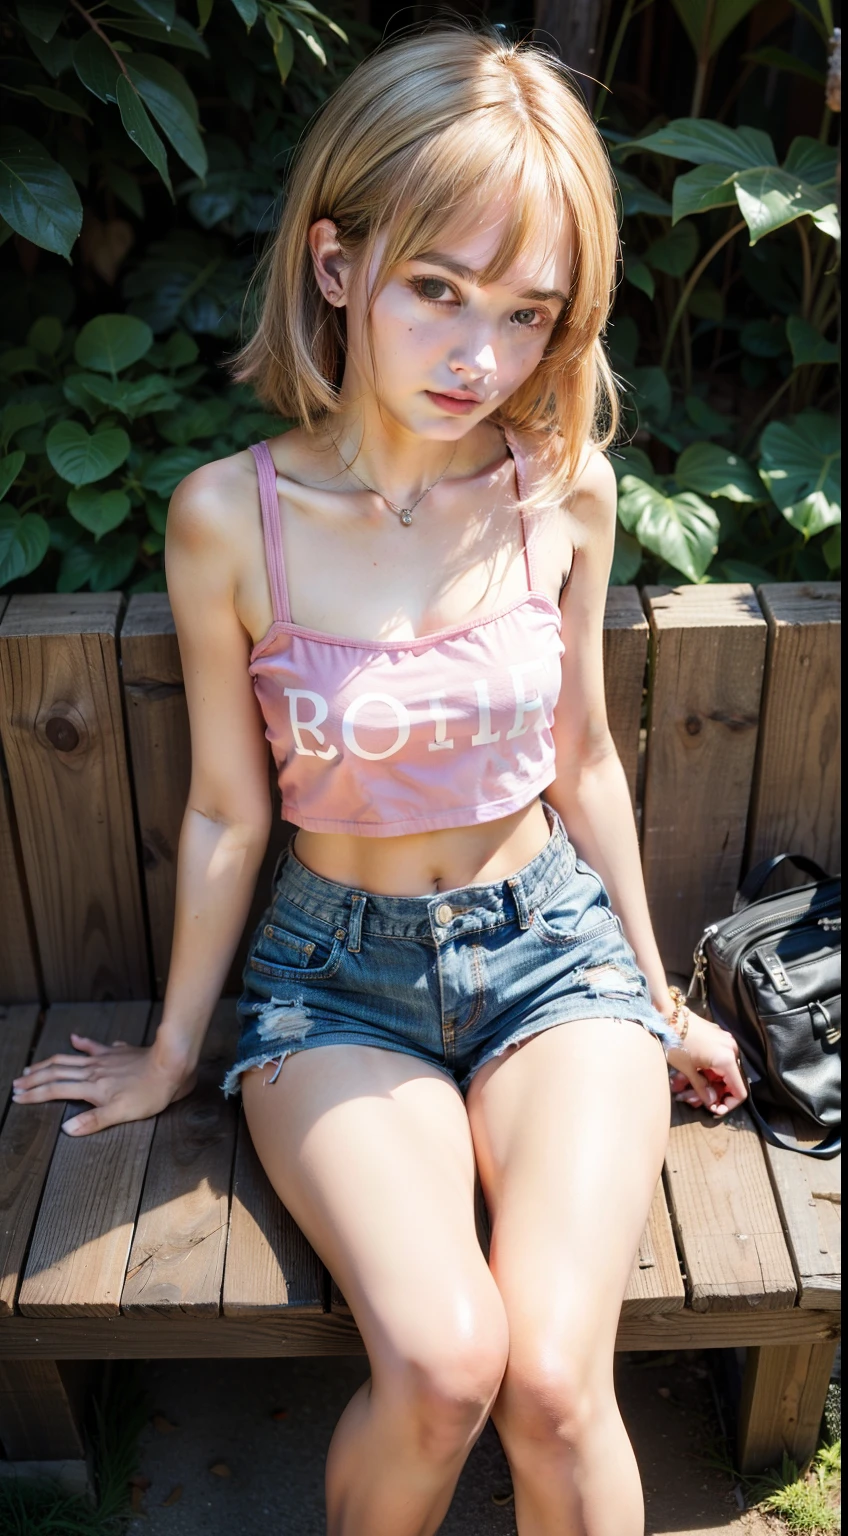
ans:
x=405 y=595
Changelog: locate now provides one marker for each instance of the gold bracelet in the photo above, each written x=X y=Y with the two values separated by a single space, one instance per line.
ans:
x=681 y=1013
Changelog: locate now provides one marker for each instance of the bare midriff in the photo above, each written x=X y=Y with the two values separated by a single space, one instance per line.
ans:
x=423 y=863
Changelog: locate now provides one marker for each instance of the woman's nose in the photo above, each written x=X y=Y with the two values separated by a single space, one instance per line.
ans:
x=478 y=359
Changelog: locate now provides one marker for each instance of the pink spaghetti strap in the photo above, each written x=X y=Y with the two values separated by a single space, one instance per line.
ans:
x=270 y=505
x=521 y=486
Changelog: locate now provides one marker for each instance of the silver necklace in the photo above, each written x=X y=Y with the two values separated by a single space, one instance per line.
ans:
x=404 y=513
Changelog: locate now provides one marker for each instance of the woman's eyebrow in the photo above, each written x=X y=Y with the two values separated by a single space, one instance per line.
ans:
x=468 y=275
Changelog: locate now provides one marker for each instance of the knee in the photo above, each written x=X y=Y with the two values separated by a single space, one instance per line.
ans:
x=551 y=1399
x=444 y=1390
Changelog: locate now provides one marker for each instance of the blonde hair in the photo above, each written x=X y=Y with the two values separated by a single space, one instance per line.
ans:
x=421 y=132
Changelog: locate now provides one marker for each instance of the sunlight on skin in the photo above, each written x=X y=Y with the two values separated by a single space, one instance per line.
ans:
x=436 y=330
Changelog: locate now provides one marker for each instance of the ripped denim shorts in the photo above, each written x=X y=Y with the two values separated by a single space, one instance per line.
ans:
x=453 y=979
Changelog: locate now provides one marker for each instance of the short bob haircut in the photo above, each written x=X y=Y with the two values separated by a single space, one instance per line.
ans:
x=425 y=131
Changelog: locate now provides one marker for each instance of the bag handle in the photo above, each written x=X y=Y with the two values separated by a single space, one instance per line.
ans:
x=756 y=878
x=831 y=1146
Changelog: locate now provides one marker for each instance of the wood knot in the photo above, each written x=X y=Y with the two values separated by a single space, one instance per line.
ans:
x=62 y=734
x=693 y=725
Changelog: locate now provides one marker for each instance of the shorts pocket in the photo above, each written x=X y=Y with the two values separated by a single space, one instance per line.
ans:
x=281 y=954
x=564 y=922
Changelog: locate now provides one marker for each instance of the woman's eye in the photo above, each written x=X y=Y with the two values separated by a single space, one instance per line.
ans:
x=431 y=288
x=529 y=317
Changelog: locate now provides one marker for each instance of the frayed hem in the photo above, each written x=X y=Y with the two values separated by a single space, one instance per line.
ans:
x=231 y=1086
x=523 y=1035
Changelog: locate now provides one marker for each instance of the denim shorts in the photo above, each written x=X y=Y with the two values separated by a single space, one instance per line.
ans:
x=452 y=979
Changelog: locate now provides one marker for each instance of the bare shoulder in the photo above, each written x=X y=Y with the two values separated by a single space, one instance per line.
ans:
x=593 y=492
x=213 y=506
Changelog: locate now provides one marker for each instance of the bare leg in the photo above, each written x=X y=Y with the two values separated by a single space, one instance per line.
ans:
x=570 y=1131
x=371 y=1152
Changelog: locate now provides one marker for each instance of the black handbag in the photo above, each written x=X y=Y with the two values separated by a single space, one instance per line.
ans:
x=771 y=974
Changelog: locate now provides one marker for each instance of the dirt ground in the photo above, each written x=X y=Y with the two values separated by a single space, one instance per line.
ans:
x=237 y=1448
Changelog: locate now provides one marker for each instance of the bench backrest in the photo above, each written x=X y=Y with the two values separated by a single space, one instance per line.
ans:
x=724 y=705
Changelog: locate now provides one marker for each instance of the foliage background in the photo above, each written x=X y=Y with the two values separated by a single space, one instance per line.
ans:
x=141 y=163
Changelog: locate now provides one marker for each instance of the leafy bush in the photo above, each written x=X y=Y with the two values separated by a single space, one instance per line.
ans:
x=143 y=170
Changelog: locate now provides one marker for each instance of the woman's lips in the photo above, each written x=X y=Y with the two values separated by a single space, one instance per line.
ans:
x=452 y=403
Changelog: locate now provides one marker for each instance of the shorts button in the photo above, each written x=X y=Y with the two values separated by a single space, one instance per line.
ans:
x=268 y=931
x=444 y=913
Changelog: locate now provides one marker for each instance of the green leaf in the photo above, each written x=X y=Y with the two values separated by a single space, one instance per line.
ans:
x=632 y=461
x=800 y=467
x=180 y=35
x=181 y=350
x=110 y=343
x=639 y=275
x=103 y=566
x=24 y=541
x=99 y=511
x=306 y=32
x=54 y=57
x=764 y=338
x=637 y=198
x=744 y=570
x=778 y=58
x=172 y=104
x=809 y=345
x=713 y=471
x=82 y=457
x=157 y=512
x=706 y=302
x=832 y=550
x=166 y=471
x=675 y=252
x=37 y=198
x=708 y=186
x=18 y=415
x=45 y=335
x=652 y=394
x=709 y=22
x=140 y=129
x=204 y=11
x=709 y=143
x=10 y=468
x=284 y=55
x=56 y=101
x=810 y=161
x=627 y=558
x=248 y=11
x=769 y=197
x=702 y=416
x=160 y=10
x=41 y=17
x=681 y=529
x=97 y=67
x=132 y=397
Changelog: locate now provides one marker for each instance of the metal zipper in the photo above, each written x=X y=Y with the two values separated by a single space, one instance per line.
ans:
x=699 y=974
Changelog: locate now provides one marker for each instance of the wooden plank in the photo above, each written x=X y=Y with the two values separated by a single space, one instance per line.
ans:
x=270 y=1266
x=18 y=1025
x=796 y=800
x=160 y=748
x=26 y=1146
x=176 y=1262
x=291 y=1331
x=706 y=665
x=783 y=1397
x=82 y=1236
x=19 y=980
x=655 y=1284
x=42 y=1408
x=725 y=1218
x=63 y=736
x=625 y=655
x=809 y=1197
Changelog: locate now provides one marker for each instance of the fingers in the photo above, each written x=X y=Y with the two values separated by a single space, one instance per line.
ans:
x=91 y=1120
x=93 y=1047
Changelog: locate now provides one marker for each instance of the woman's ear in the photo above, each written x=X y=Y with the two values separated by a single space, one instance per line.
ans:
x=329 y=262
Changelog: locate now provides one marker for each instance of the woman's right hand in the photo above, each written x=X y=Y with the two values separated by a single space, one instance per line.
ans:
x=123 y=1082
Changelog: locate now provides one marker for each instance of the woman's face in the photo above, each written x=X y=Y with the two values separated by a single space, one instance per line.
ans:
x=449 y=351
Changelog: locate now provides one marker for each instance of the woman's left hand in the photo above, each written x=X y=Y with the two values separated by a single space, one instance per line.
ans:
x=706 y=1069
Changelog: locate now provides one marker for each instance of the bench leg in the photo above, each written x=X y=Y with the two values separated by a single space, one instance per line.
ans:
x=42 y=1405
x=783 y=1396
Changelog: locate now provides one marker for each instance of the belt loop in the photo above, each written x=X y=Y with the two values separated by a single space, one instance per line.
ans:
x=525 y=916
x=357 y=912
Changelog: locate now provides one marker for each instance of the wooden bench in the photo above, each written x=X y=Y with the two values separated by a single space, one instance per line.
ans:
x=163 y=1237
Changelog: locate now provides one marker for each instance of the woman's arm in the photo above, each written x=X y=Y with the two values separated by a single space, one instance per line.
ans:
x=224 y=831
x=591 y=792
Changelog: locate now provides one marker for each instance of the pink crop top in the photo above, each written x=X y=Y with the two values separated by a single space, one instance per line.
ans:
x=387 y=737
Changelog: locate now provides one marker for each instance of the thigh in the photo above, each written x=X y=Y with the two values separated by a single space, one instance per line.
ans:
x=371 y=1152
x=569 y=1131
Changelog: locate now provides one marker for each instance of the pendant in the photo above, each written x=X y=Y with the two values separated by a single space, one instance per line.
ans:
x=405 y=516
